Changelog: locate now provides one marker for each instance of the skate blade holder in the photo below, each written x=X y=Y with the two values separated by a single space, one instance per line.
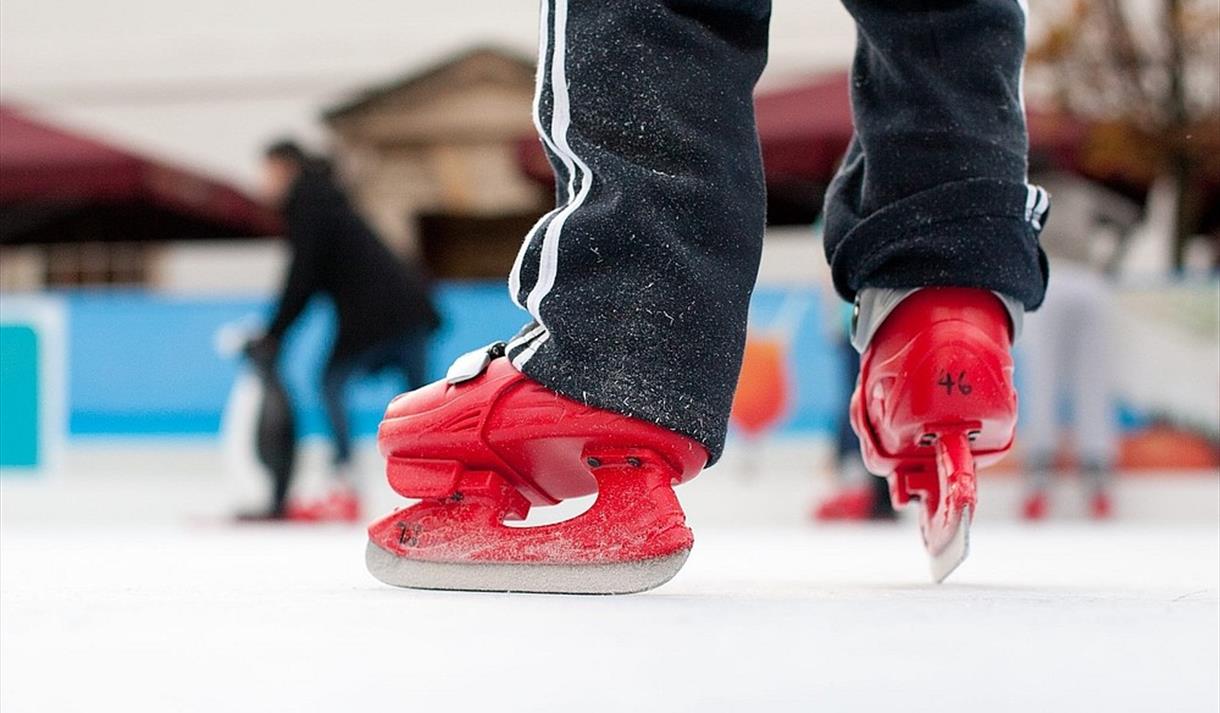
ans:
x=631 y=483
x=948 y=455
x=617 y=465
x=597 y=458
x=450 y=480
x=944 y=484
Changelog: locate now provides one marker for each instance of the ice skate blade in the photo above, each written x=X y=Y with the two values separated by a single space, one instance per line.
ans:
x=955 y=552
x=613 y=578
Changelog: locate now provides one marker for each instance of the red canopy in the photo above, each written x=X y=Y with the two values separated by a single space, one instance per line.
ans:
x=805 y=129
x=46 y=166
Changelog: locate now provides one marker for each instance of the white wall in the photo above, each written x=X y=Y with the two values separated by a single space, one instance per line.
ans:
x=21 y=268
x=219 y=267
x=792 y=257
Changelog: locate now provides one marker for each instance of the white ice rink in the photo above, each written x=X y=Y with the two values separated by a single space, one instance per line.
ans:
x=119 y=593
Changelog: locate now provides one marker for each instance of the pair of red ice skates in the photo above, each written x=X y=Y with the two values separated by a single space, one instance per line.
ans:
x=934 y=399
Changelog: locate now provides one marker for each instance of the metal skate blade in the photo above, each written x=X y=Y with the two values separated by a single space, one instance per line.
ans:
x=948 y=559
x=616 y=578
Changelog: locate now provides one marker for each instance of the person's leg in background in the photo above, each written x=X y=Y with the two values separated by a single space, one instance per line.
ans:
x=1045 y=342
x=933 y=194
x=341 y=502
x=1066 y=353
x=335 y=378
x=1092 y=388
x=406 y=354
x=410 y=356
x=638 y=284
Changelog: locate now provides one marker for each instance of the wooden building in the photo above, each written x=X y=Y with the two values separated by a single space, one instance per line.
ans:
x=433 y=161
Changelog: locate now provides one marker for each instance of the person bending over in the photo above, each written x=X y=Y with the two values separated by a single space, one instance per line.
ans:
x=382 y=305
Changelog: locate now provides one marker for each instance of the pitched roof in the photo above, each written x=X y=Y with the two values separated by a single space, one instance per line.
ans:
x=374 y=94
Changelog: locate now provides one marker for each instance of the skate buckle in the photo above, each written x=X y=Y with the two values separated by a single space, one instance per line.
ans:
x=471 y=364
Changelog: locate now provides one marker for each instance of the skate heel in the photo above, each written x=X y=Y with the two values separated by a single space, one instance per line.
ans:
x=935 y=401
x=635 y=487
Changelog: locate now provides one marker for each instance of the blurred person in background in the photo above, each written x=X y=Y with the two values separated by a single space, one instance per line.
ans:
x=1068 y=347
x=383 y=308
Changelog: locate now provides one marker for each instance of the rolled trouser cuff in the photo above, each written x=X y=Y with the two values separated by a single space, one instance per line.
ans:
x=874 y=304
x=980 y=233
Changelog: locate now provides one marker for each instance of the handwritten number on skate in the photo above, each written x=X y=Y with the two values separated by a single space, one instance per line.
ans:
x=408 y=535
x=947 y=381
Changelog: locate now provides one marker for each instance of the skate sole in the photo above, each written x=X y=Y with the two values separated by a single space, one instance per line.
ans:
x=613 y=578
x=944 y=563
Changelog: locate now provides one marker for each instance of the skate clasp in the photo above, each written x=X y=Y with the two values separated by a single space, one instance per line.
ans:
x=473 y=363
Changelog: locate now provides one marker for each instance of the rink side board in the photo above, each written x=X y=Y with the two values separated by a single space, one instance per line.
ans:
x=32 y=396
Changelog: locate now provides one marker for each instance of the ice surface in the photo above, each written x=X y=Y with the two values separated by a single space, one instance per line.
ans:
x=162 y=614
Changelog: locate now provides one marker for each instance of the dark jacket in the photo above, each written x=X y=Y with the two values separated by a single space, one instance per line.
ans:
x=376 y=296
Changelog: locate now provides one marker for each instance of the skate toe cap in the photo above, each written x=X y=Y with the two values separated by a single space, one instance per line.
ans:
x=420 y=400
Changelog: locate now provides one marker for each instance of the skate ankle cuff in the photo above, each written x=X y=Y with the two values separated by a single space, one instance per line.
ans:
x=874 y=304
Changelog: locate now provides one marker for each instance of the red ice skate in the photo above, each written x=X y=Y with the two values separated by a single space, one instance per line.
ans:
x=847 y=504
x=935 y=400
x=484 y=446
x=1101 y=507
x=1036 y=507
x=341 y=504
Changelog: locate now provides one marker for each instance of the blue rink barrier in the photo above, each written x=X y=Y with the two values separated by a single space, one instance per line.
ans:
x=20 y=445
x=142 y=363
x=32 y=393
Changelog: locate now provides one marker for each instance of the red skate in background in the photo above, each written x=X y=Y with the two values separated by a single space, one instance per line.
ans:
x=934 y=401
x=341 y=504
x=485 y=449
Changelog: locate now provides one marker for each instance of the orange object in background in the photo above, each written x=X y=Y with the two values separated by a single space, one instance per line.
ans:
x=1153 y=450
x=762 y=390
x=1163 y=447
